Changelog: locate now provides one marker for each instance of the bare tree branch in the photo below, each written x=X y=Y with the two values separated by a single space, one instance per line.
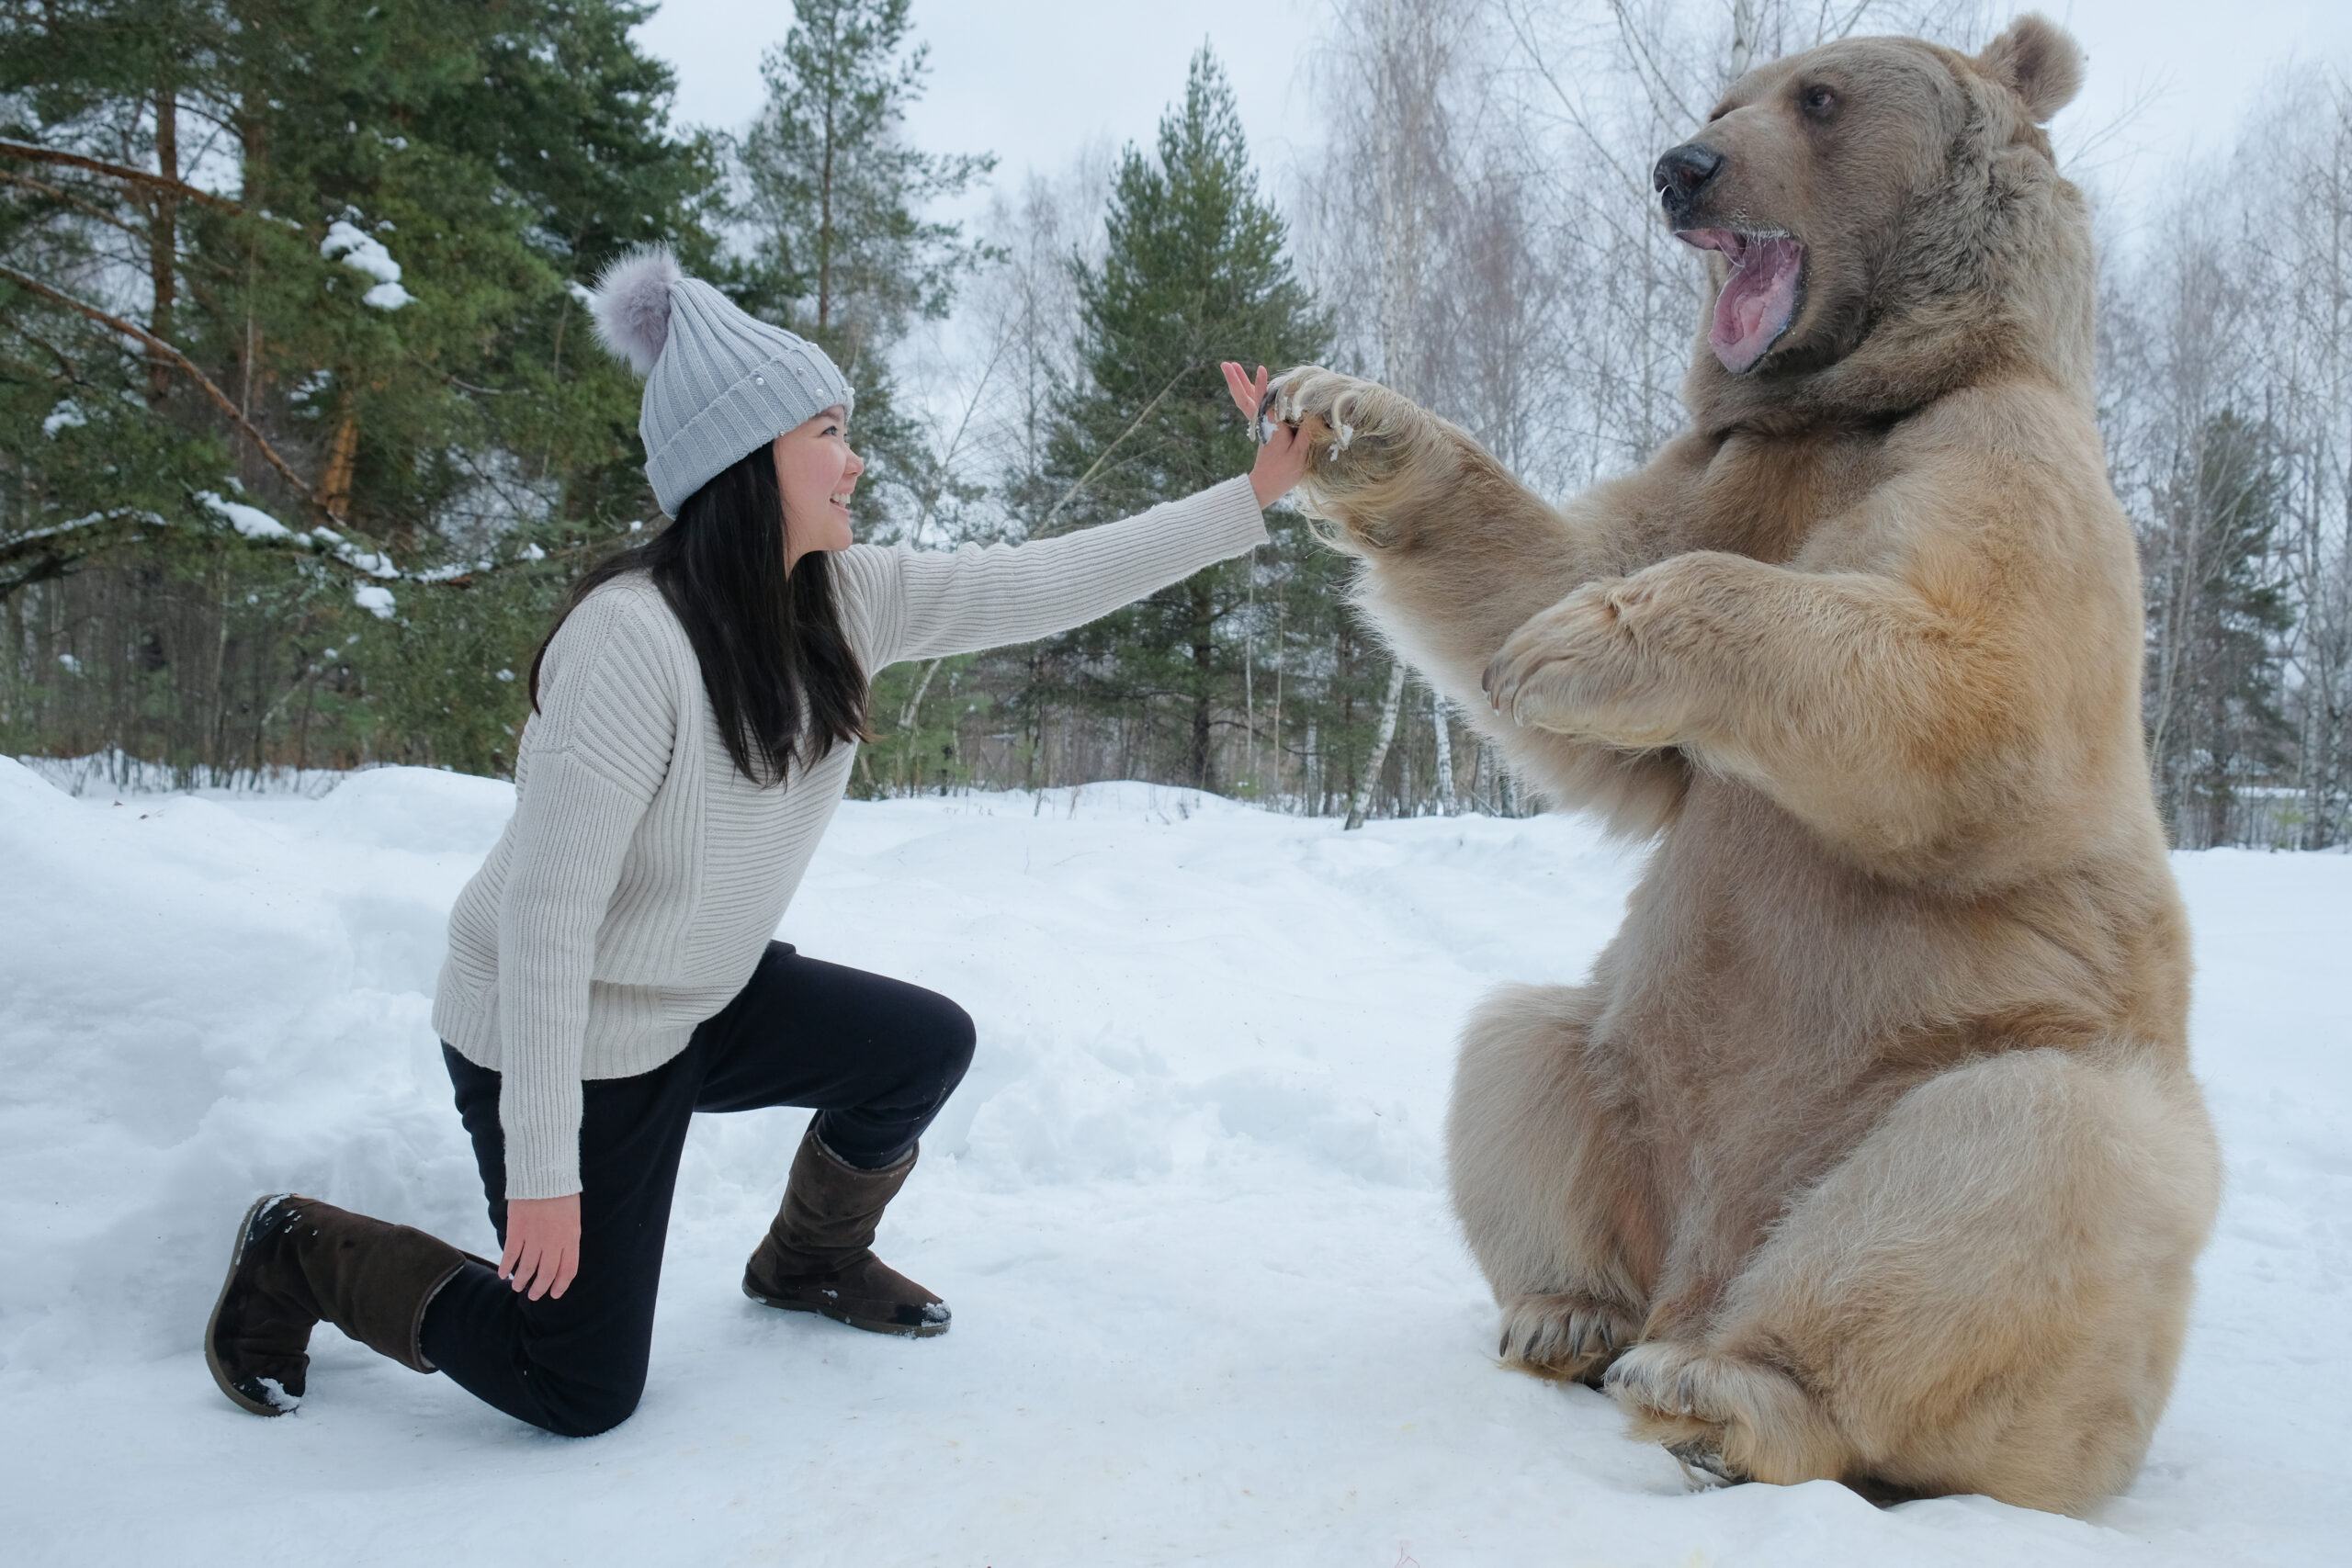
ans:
x=34 y=153
x=1083 y=480
x=89 y=209
x=158 y=345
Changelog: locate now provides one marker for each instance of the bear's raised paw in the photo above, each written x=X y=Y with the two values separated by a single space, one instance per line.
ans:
x=1362 y=437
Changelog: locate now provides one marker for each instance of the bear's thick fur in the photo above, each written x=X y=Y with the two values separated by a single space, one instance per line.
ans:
x=1871 y=1150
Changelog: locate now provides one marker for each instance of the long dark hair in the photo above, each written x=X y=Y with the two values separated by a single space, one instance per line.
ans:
x=784 y=682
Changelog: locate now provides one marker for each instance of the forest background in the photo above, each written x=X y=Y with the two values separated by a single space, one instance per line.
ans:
x=304 y=432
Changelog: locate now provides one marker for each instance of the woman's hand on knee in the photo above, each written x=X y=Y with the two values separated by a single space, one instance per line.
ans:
x=542 y=1245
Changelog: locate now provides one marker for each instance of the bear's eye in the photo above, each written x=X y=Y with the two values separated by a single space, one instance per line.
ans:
x=1818 y=102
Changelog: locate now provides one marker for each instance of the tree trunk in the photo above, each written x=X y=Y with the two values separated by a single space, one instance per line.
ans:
x=1249 y=688
x=343 y=456
x=163 y=239
x=1278 y=702
x=908 y=713
x=253 y=182
x=1444 y=756
x=1346 y=658
x=1311 y=774
x=1388 y=706
x=825 y=200
x=1203 y=657
x=1745 y=23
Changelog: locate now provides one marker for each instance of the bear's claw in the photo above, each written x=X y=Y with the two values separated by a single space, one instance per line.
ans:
x=1568 y=1335
x=1702 y=1461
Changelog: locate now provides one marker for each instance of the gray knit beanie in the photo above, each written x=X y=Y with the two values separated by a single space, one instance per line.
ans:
x=719 y=382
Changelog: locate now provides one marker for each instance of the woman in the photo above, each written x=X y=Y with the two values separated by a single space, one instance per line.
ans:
x=695 y=716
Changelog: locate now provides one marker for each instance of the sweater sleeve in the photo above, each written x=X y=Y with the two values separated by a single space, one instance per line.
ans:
x=591 y=760
x=927 y=604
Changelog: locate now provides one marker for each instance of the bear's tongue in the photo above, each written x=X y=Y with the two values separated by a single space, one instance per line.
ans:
x=1758 y=298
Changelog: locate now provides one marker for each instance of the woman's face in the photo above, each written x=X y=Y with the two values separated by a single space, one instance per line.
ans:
x=817 y=471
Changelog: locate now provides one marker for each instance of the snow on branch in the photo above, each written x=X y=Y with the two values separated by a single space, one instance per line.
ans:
x=52 y=551
x=252 y=522
x=363 y=253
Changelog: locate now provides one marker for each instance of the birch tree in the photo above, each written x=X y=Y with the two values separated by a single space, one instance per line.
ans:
x=1395 y=89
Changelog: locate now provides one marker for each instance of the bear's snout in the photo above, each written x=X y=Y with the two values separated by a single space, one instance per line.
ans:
x=1682 y=173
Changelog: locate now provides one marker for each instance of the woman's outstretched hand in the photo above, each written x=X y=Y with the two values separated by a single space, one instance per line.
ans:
x=542 y=1245
x=1282 y=459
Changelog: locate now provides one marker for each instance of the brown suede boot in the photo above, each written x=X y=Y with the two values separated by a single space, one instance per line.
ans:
x=816 y=1255
x=297 y=1261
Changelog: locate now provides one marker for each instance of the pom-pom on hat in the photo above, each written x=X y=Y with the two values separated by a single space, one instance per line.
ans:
x=719 y=382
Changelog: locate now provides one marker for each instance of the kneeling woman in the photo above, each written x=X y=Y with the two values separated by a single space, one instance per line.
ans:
x=610 y=972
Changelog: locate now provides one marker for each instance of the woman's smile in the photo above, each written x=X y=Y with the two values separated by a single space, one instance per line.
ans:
x=817 y=471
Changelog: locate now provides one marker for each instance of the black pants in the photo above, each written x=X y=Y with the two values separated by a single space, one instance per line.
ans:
x=878 y=1058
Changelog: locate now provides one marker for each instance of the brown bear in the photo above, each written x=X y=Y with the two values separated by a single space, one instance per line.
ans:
x=1871 y=1150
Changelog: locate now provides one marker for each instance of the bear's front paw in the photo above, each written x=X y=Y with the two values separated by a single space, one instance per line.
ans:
x=1360 y=436
x=1568 y=1335
x=1577 y=668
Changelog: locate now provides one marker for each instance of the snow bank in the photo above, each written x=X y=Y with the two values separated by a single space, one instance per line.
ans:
x=112 y=774
x=1189 y=1208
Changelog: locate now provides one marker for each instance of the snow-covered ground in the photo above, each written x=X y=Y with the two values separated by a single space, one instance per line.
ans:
x=1210 y=1306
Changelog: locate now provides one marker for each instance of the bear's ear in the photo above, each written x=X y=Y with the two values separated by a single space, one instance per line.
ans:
x=2038 y=61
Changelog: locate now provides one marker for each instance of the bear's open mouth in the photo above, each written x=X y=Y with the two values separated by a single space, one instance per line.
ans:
x=1759 y=299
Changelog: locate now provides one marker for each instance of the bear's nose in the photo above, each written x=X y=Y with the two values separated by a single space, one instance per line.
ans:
x=1681 y=172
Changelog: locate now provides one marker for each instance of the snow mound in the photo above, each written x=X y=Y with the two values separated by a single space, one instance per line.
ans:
x=1210 y=1306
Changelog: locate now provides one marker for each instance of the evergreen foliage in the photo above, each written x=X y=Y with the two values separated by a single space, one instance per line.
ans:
x=833 y=201
x=301 y=427
x=1195 y=273
x=2216 y=726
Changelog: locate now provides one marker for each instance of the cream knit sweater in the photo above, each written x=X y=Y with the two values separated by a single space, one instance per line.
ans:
x=641 y=876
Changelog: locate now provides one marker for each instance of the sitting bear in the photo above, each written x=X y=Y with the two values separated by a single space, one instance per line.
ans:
x=1870 y=1149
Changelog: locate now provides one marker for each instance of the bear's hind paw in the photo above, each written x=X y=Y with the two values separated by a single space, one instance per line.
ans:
x=1750 y=1421
x=1702 y=1459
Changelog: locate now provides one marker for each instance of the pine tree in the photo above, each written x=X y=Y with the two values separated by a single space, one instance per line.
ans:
x=834 y=201
x=1195 y=273
x=220 y=416
x=2220 y=612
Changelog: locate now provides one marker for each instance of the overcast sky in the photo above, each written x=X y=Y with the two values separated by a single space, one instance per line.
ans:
x=1033 y=81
